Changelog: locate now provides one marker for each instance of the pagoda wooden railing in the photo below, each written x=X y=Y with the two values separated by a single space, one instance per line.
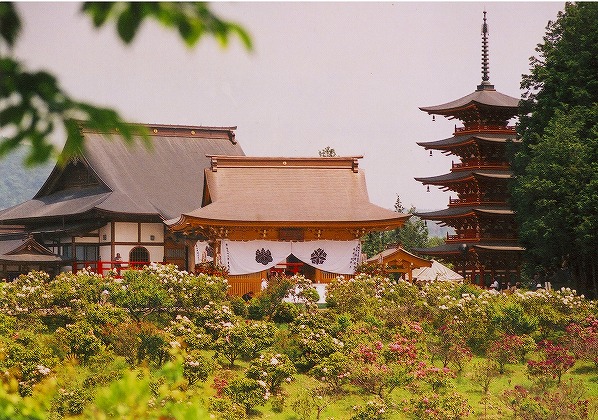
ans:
x=476 y=128
x=480 y=163
x=475 y=199
x=473 y=235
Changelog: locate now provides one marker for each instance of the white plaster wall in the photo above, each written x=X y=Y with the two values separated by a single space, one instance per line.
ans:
x=125 y=232
x=87 y=240
x=149 y=229
x=156 y=253
x=106 y=230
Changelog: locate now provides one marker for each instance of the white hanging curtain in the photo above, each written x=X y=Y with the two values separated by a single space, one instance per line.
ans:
x=203 y=252
x=244 y=257
x=341 y=257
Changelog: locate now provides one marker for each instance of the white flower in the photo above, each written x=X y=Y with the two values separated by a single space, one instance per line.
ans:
x=274 y=361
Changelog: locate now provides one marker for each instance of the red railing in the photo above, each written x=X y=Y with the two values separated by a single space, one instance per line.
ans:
x=102 y=267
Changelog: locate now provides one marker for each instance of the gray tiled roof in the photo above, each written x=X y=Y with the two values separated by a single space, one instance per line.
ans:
x=164 y=180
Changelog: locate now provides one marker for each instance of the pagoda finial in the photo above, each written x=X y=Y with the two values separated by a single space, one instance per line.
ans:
x=485 y=60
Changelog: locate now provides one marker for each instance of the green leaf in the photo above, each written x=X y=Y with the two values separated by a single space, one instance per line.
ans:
x=10 y=23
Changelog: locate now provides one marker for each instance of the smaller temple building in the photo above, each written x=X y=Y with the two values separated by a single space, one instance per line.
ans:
x=304 y=214
x=399 y=262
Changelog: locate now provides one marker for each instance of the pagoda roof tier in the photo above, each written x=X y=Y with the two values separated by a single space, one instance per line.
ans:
x=457 y=212
x=282 y=192
x=459 y=176
x=465 y=139
x=455 y=248
x=484 y=104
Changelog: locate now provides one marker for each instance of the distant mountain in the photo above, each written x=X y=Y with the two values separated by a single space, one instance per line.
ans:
x=17 y=182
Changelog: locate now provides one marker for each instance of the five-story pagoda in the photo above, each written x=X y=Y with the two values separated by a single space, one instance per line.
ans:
x=485 y=246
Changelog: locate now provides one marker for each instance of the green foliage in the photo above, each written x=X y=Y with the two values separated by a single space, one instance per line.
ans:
x=556 y=182
x=80 y=340
x=413 y=234
x=246 y=392
x=35 y=106
x=327 y=152
x=512 y=320
x=286 y=312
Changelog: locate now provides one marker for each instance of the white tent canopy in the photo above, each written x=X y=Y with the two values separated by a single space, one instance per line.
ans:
x=437 y=272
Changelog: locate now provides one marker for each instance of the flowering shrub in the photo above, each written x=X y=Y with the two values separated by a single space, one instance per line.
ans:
x=378 y=369
x=25 y=360
x=244 y=339
x=189 y=336
x=437 y=407
x=196 y=368
x=334 y=371
x=215 y=316
x=507 y=349
x=77 y=290
x=483 y=373
x=449 y=347
x=581 y=339
x=512 y=320
x=376 y=409
x=272 y=370
x=358 y=296
x=247 y=393
x=565 y=402
x=555 y=361
x=26 y=294
x=437 y=378
x=554 y=310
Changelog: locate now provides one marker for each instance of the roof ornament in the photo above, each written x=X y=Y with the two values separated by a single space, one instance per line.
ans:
x=485 y=59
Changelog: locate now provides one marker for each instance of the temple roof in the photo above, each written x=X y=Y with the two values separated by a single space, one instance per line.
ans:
x=285 y=191
x=460 y=140
x=162 y=181
x=25 y=249
x=458 y=176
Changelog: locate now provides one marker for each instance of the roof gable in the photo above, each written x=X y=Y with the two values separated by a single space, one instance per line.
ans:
x=76 y=174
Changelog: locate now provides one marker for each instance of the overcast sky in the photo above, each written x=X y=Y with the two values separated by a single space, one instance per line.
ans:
x=344 y=74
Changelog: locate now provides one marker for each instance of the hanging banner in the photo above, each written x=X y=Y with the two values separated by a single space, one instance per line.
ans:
x=340 y=257
x=244 y=257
